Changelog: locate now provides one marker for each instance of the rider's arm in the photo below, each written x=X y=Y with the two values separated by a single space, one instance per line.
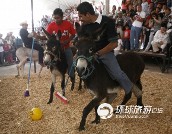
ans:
x=35 y=35
x=108 y=48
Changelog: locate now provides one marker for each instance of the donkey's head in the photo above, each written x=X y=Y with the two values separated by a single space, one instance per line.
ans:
x=52 y=48
x=86 y=46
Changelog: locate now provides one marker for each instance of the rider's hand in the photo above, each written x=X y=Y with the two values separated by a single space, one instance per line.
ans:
x=96 y=55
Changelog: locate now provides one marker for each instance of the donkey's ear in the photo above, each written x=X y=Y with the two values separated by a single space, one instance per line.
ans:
x=77 y=26
x=46 y=33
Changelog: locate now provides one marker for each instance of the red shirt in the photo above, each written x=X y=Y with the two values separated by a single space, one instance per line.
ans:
x=127 y=34
x=6 y=47
x=66 y=29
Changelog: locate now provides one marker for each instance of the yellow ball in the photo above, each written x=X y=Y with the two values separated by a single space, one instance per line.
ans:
x=36 y=114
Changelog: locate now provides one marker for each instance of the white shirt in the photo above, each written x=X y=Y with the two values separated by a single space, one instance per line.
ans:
x=145 y=7
x=138 y=23
x=99 y=18
x=120 y=43
x=159 y=36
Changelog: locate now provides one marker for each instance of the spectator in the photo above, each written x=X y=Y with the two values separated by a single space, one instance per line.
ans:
x=7 y=53
x=131 y=11
x=150 y=8
x=120 y=23
x=167 y=18
x=1 y=50
x=10 y=38
x=126 y=38
x=136 y=29
x=18 y=43
x=169 y=3
x=154 y=24
x=123 y=6
x=160 y=39
x=145 y=6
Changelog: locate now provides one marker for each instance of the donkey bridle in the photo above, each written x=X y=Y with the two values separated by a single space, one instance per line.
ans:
x=90 y=68
x=56 y=57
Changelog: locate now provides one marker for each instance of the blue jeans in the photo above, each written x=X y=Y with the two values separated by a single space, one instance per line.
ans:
x=115 y=72
x=134 y=37
x=69 y=58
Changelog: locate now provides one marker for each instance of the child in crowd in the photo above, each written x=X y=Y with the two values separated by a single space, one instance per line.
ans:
x=126 y=38
x=7 y=52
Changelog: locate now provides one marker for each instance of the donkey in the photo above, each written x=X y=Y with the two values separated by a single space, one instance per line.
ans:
x=23 y=54
x=55 y=59
x=93 y=72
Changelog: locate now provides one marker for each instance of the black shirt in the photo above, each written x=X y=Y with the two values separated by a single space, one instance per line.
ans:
x=108 y=30
x=24 y=36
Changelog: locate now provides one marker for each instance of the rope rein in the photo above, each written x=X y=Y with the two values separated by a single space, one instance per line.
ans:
x=89 y=70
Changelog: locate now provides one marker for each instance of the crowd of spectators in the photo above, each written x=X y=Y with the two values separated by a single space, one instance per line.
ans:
x=8 y=46
x=140 y=22
x=137 y=22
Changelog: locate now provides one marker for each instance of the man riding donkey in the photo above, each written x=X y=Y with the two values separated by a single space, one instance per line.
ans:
x=27 y=40
x=105 y=46
x=67 y=32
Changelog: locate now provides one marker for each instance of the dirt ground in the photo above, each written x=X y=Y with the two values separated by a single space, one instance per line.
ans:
x=59 y=118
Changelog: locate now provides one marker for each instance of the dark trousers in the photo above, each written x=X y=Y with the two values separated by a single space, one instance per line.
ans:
x=39 y=49
x=147 y=34
x=126 y=44
x=2 y=58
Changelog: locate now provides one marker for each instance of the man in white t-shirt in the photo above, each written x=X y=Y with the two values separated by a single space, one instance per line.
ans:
x=160 y=39
x=1 y=51
x=136 y=28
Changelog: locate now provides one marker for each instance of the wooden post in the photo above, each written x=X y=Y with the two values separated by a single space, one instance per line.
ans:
x=107 y=6
x=34 y=66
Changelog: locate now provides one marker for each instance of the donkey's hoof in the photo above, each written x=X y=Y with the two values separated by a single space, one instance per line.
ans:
x=16 y=76
x=26 y=94
x=63 y=93
x=96 y=121
x=81 y=128
x=72 y=88
x=49 y=102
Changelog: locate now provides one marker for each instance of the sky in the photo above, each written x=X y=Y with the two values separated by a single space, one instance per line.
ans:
x=13 y=12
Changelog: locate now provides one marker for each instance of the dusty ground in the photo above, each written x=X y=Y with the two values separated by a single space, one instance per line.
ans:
x=59 y=118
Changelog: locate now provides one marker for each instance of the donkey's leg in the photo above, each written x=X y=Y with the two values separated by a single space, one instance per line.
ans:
x=97 y=119
x=63 y=86
x=109 y=99
x=18 y=72
x=93 y=104
x=52 y=88
x=39 y=74
x=51 y=93
x=73 y=82
x=126 y=98
x=139 y=98
x=22 y=70
x=80 y=84
x=20 y=65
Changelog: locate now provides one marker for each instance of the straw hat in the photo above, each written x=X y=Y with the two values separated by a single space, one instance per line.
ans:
x=23 y=23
